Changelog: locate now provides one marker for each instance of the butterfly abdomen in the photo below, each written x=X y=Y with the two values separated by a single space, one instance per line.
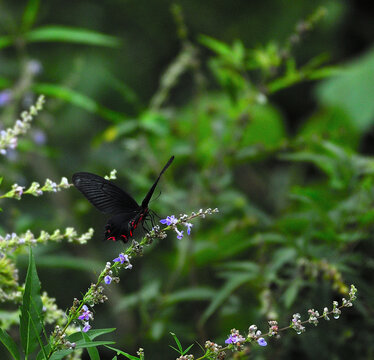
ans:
x=122 y=226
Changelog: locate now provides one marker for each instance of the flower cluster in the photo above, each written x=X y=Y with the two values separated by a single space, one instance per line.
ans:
x=13 y=241
x=58 y=333
x=172 y=221
x=255 y=334
x=112 y=175
x=273 y=328
x=185 y=357
x=51 y=313
x=296 y=324
x=313 y=317
x=85 y=315
x=35 y=189
x=123 y=259
x=8 y=137
x=235 y=338
x=94 y=295
x=108 y=274
x=9 y=286
x=215 y=349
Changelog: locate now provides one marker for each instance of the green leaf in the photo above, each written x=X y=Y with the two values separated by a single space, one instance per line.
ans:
x=290 y=294
x=79 y=100
x=29 y=15
x=71 y=35
x=43 y=350
x=177 y=342
x=31 y=309
x=63 y=353
x=9 y=343
x=191 y=294
x=83 y=345
x=5 y=41
x=231 y=285
x=188 y=349
x=92 y=334
x=92 y=352
x=352 y=91
x=120 y=352
x=217 y=46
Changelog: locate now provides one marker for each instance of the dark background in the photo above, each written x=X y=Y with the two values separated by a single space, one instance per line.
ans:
x=213 y=168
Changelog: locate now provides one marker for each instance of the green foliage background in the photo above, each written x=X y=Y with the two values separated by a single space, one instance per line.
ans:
x=275 y=132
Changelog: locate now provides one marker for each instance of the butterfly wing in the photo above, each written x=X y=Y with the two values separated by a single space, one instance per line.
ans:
x=152 y=189
x=103 y=194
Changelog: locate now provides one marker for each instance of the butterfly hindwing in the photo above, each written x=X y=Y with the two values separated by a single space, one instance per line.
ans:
x=103 y=194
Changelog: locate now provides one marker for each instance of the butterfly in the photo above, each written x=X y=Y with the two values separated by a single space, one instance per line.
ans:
x=110 y=199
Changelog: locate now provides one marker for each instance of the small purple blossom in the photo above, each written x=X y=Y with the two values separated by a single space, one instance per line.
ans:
x=5 y=97
x=262 y=342
x=180 y=234
x=122 y=258
x=86 y=315
x=107 y=279
x=170 y=220
x=87 y=327
x=189 y=226
x=234 y=338
x=39 y=137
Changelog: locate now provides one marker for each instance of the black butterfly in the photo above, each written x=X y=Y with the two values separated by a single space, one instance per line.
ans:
x=110 y=199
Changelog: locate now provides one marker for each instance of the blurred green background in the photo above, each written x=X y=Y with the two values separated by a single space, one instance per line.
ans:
x=268 y=108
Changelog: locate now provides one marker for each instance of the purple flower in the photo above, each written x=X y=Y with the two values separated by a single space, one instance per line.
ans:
x=180 y=234
x=39 y=137
x=107 y=279
x=189 y=226
x=261 y=341
x=122 y=258
x=87 y=327
x=86 y=315
x=5 y=97
x=234 y=339
x=170 y=220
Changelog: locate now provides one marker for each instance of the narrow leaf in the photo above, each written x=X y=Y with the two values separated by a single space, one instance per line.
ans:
x=31 y=309
x=29 y=15
x=231 y=285
x=38 y=337
x=188 y=349
x=120 y=352
x=92 y=334
x=79 y=100
x=71 y=35
x=9 y=343
x=177 y=342
x=92 y=352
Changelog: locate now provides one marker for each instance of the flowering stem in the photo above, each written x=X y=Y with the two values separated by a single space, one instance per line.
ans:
x=132 y=251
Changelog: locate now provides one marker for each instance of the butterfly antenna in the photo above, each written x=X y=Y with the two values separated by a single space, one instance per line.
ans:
x=145 y=202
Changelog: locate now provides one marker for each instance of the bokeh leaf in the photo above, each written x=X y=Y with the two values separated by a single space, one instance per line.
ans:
x=71 y=35
x=31 y=309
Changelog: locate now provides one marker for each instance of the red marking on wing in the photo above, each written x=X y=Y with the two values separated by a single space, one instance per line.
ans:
x=111 y=238
x=124 y=236
x=130 y=233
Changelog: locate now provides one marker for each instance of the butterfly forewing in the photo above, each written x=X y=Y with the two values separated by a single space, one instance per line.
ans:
x=103 y=194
